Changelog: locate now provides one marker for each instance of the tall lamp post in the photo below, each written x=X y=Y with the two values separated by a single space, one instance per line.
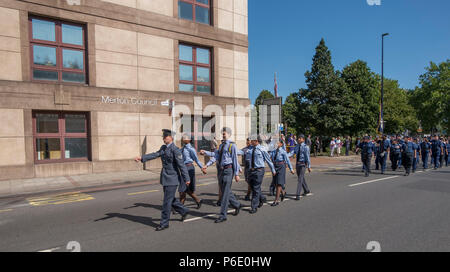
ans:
x=382 y=83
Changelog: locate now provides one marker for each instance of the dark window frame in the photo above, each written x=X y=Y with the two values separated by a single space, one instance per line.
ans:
x=194 y=3
x=60 y=46
x=61 y=135
x=194 y=64
x=199 y=135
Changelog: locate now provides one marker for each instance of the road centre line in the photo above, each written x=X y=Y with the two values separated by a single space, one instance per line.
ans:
x=371 y=181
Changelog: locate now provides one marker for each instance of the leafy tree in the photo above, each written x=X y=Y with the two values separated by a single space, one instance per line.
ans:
x=322 y=101
x=399 y=115
x=290 y=113
x=363 y=98
x=432 y=99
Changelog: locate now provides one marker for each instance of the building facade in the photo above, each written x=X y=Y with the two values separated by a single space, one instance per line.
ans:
x=87 y=85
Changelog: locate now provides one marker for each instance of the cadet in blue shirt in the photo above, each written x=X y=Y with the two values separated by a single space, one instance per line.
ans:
x=256 y=157
x=396 y=151
x=425 y=147
x=408 y=154
x=443 y=149
x=416 y=160
x=173 y=173
x=302 y=154
x=243 y=153
x=189 y=157
x=226 y=158
x=436 y=151
x=367 y=151
x=280 y=159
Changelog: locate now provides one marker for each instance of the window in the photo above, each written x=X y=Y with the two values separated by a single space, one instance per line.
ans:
x=58 y=51
x=195 y=69
x=195 y=10
x=60 y=136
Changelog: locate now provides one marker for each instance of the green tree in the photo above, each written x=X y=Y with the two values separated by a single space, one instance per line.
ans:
x=323 y=102
x=432 y=99
x=290 y=113
x=399 y=114
x=363 y=96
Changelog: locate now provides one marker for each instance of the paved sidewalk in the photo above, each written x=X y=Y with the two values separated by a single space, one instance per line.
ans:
x=106 y=181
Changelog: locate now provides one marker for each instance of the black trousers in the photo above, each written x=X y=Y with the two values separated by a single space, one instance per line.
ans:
x=366 y=160
x=407 y=160
x=395 y=159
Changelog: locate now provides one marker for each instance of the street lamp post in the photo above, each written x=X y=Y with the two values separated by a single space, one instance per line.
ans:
x=382 y=82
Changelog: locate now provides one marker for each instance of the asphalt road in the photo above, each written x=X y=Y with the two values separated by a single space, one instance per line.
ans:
x=346 y=212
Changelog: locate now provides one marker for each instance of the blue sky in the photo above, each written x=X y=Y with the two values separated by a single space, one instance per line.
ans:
x=283 y=35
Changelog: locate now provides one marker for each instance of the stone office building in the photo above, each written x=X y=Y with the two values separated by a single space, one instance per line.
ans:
x=85 y=85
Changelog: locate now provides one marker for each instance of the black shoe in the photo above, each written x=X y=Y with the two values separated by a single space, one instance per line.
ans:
x=297 y=198
x=236 y=212
x=199 y=204
x=220 y=220
x=261 y=203
x=366 y=175
x=275 y=204
x=247 y=198
x=183 y=217
x=382 y=173
x=218 y=203
x=253 y=211
x=283 y=196
x=160 y=228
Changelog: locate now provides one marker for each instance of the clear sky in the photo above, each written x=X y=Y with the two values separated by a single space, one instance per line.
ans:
x=283 y=35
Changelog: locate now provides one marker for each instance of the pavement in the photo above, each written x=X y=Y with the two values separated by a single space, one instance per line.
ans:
x=347 y=212
x=22 y=187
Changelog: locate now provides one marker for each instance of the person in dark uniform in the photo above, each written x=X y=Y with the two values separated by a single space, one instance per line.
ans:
x=400 y=141
x=436 y=151
x=385 y=148
x=226 y=158
x=367 y=151
x=189 y=157
x=396 y=151
x=425 y=147
x=280 y=160
x=303 y=162
x=256 y=158
x=348 y=145
x=447 y=152
x=416 y=160
x=442 y=157
x=408 y=155
x=173 y=173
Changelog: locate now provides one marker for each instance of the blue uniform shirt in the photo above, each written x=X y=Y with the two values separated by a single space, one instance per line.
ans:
x=227 y=157
x=281 y=156
x=367 y=148
x=396 y=148
x=190 y=155
x=408 y=147
x=303 y=154
x=425 y=147
x=261 y=156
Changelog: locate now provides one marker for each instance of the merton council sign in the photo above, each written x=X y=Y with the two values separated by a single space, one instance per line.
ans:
x=133 y=101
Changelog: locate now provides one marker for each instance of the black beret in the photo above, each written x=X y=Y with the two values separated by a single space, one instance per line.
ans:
x=168 y=132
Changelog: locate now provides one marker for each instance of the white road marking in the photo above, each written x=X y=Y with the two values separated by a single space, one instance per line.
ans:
x=49 y=250
x=371 y=181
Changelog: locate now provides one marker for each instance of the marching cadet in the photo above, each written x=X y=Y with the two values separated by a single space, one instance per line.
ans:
x=173 y=173
x=436 y=151
x=377 y=144
x=417 y=151
x=244 y=152
x=367 y=149
x=273 y=186
x=303 y=162
x=385 y=148
x=396 y=150
x=400 y=141
x=408 y=154
x=256 y=158
x=447 y=152
x=280 y=159
x=189 y=157
x=443 y=149
x=226 y=159
x=425 y=147
x=211 y=161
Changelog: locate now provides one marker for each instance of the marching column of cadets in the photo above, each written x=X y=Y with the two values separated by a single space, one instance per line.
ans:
x=178 y=171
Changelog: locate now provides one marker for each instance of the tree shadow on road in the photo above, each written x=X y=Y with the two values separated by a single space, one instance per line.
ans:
x=148 y=221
